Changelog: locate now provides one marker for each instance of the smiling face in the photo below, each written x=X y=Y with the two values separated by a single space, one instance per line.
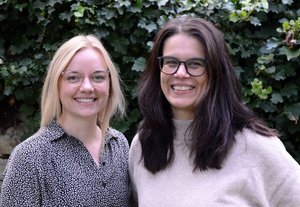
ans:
x=181 y=90
x=86 y=99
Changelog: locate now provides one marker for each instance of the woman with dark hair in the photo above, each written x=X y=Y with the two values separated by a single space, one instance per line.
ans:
x=198 y=144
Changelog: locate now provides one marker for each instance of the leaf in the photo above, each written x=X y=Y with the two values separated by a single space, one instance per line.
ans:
x=290 y=54
x=257 y=89
x=80 y=11
x=271 y=44
x=289 y=90
x=271 y=70
x=233 y=17
x=280 y=75
x=150 y=27
x=293 y=112
x=161 y=3
x=255 y=21
x=139 y=64
x=119 y=43
x=268 y=107
x=276 y=98
x=288 y=2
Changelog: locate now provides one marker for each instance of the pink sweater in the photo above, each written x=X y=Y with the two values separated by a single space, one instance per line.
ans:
x=258 y=171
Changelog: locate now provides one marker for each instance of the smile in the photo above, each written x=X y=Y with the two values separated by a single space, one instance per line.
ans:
x=85 y=100
x=182 y=88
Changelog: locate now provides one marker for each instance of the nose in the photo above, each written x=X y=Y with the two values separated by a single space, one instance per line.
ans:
x=182 y=71
x=86 y=85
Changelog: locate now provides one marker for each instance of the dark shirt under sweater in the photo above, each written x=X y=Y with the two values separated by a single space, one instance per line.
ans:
x=52 y=168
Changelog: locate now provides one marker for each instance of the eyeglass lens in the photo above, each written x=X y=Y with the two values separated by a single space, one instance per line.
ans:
x=74 y=77
x=170 y=65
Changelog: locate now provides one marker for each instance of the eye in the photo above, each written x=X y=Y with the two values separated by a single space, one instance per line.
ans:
x=195 y=63
x=73 y=77
x=99 y=76
x=171 y=62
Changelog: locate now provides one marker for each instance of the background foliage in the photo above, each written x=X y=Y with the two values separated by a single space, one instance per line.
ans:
x=263 y=37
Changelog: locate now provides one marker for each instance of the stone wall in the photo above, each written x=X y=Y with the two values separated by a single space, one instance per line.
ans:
x=9 y=138
x=3 y=163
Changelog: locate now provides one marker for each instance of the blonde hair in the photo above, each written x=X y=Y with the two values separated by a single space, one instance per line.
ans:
x=50 y=104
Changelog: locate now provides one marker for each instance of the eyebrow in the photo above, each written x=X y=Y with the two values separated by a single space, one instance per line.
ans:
x=98 y=70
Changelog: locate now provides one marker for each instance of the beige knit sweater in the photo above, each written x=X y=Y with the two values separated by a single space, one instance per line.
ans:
x=258 y=171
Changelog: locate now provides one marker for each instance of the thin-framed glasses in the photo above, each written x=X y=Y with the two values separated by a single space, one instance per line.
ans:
x=194 y=66
x=76 y=78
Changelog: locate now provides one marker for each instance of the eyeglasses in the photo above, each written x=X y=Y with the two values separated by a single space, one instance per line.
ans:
x=193 y=66
x=75 y=78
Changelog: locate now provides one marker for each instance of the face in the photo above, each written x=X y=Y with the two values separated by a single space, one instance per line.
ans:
x=182 y=90
x=87 y=98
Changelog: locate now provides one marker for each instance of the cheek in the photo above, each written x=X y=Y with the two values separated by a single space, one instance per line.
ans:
x=163 y=82
x=104 y=89
x=62 y=88
x=203 y=88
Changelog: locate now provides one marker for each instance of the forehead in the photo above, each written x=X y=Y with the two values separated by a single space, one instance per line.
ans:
x=87 y=59
x=183 y=46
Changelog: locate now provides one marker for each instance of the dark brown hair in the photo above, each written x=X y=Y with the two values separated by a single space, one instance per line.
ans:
x=219 y=115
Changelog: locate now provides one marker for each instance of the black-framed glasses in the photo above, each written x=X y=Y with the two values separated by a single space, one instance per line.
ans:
x=194 y=66
x=75 y=78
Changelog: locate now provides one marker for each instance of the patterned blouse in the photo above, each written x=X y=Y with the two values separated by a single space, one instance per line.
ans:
x=52 y=168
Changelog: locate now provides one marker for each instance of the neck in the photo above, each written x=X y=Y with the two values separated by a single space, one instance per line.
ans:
x=88 y=132
x=82 y=129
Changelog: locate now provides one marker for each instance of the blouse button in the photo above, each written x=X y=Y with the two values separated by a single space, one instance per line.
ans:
x=103 y=163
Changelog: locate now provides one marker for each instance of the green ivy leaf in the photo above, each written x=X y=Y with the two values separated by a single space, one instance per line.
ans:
x=139 y=64
x=293 y=112
x=233 y=17
x=119 y=44
x=288 y=2
x=150 y=27
x=271 y=70
x=289 y=90
x=255 y=21
x=161 y=3
x=257 y=89
x=276 y=98
x=290 y=54
x=272 y=44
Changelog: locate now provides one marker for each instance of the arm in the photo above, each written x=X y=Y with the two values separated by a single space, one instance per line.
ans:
x=289 y=191
x=134 y=158
x=21 y=184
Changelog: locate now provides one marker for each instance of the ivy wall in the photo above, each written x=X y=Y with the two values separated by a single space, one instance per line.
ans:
x=263 y=37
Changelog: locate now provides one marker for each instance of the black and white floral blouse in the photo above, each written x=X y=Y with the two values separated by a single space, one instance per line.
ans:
x=52 y=168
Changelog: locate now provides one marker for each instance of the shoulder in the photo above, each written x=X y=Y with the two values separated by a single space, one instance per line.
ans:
x=135 y=150
x=135 y=146
x=27 y=154
x=32 y=145
x=115 y=136
x=255 y=141
x=41 y=140
x=134 y=153
x=267 y=159
x=265 y=149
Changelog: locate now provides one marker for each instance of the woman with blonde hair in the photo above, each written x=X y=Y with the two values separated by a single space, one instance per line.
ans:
x=75 y=159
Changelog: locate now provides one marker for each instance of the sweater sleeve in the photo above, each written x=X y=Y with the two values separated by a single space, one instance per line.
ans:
x=280 y=173
x=290 y=191
x=134 y=160
x=21 y=184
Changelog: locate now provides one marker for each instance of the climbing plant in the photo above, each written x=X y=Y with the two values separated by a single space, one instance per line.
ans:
x=263 y=38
